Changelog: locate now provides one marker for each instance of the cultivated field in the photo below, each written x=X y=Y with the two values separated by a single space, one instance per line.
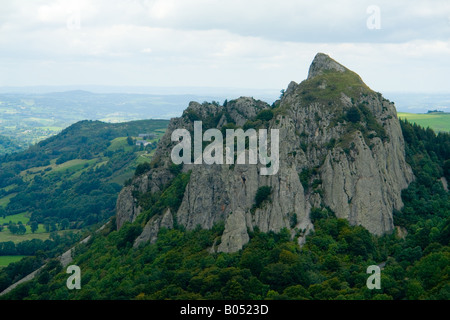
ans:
x=438 y=121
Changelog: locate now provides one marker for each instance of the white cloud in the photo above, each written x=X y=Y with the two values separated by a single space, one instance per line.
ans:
x=221 y=43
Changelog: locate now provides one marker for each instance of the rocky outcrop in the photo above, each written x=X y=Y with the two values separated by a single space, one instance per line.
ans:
x=341 y=148
x=444 y=183
x=323 y=62
x=152 y=227
x=235 y=235
x=126 y=207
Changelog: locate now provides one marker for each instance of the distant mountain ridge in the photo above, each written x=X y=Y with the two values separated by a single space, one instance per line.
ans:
x=415 y=102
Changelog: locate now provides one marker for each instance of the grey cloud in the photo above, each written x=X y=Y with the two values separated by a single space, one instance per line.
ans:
x=283 y=20
x=266 y=43
x=311 y=21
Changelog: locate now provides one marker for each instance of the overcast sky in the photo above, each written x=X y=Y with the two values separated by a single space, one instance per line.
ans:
x=393 y=45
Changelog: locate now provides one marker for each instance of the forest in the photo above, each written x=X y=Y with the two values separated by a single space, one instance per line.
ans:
x=66 y=185
x=331 y=265
x=75 y=175
x=8 y=145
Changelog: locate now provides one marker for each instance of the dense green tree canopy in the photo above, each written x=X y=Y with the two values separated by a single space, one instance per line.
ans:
x=331 y=265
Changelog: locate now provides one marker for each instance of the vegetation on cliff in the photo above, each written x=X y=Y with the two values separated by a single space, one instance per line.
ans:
x=331 y=265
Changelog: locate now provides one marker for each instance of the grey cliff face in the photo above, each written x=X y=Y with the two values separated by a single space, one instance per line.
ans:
x=152 y=227
x=323 y=62
x=356 y=170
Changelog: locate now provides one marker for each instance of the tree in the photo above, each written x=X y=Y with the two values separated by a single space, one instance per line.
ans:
x=317 y=214
x=142 y=168
x=265 y=115
x=297 y=292
x=47 y=225
x=21 y=229
x=130 y=141
x=262 y=194
x=447 y=169
x=414 y=290
x=276 y=275
x=233 y=289
x=353 y=115
x=64 y=224
x=53 y=226
x=13 y=228
x=34 y=226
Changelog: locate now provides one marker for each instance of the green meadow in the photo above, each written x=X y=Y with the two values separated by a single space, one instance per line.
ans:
x=5 y=200
x=6 y=235
x=438 y=121
x=5 y=260
x=20 y=217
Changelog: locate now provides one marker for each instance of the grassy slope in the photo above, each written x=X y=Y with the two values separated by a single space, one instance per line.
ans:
x=5 y=260
x=72 y=169
x=6 y=235
x=22 y=217
x=5 y=200
x=436 y=121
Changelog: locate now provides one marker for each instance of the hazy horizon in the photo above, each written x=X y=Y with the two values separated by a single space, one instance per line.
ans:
x=417 y=102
